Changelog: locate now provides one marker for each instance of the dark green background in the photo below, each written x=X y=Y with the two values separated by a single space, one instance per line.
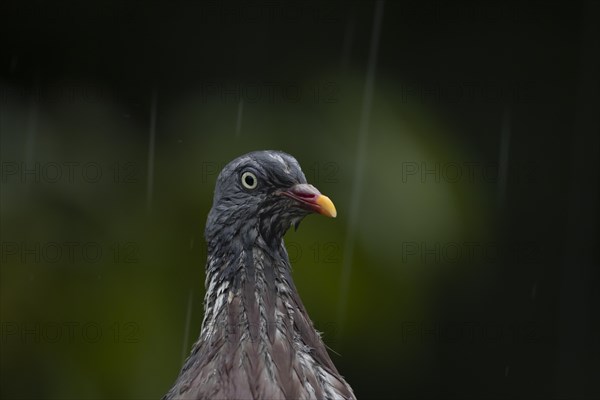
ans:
x=474 y=280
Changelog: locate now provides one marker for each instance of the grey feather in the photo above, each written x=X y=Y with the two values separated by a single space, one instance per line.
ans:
x=257 y=340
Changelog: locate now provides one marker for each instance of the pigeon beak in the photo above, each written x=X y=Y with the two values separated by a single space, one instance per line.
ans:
x=309 y=197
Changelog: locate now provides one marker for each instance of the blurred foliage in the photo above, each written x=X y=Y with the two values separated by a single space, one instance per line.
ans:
x=115 y=325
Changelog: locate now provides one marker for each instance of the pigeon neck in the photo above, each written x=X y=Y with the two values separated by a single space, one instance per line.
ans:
x=226 y=236
x=250 y=293
x=254 y=278
x=255 y=320
x=256 y=329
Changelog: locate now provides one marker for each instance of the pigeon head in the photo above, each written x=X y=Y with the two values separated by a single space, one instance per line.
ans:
x=262 y=193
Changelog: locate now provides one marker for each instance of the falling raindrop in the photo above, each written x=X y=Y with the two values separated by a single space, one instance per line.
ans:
x=506 y=371
x=503 y=157
x=186 y=332
x=32 y=123
x=151 y=145
x=534 y=290
x=238 y=125
x=363 y=133
x=348 y=37
x=191 y=243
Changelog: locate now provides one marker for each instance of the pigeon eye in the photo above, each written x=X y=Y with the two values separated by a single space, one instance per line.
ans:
x=249 y=180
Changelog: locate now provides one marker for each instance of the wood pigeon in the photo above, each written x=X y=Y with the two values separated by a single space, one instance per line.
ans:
x=257 y=340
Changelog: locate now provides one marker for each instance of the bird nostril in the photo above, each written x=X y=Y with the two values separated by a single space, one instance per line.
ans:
x=305 y=195
x=305 y=191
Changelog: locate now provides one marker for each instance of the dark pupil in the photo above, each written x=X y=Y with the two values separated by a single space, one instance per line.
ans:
x=249 y=180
